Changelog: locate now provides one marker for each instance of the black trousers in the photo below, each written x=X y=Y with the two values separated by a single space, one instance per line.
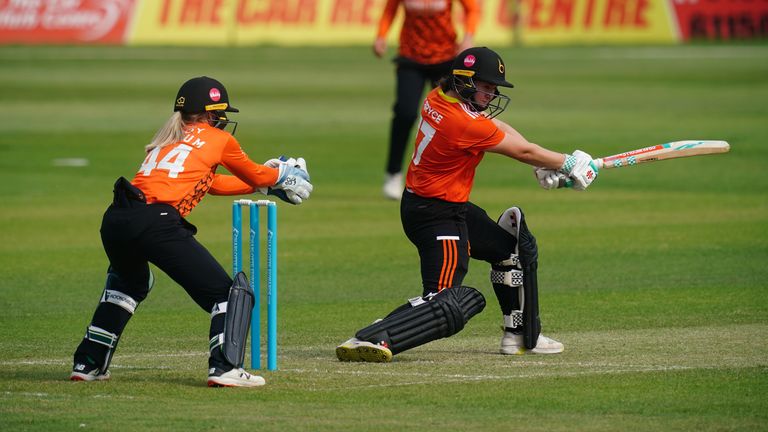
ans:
x=447 y=234
x=411 y=78
x=135 y=234
x=156 y=233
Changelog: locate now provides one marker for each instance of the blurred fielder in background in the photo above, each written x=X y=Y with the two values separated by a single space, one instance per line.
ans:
x=427 y=48
x=458 y=126
x=146 y=223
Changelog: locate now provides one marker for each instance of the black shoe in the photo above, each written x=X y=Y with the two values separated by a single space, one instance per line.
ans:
x=87 y=371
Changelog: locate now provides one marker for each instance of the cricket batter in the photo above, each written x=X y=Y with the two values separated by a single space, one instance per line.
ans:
x=458 y=126
x=427 y=47
x=146 y=224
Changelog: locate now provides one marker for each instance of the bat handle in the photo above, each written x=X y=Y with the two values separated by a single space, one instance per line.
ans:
x=599 y=163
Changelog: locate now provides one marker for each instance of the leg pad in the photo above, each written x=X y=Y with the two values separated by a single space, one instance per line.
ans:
x=237 y=321
x=443 y=315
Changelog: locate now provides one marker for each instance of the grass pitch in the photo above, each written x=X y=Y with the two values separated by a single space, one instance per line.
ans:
x=654 y=279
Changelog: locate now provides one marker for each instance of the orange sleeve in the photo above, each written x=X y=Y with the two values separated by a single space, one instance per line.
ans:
x=229 y=185
x=237 y=162
x=480 y=134
x=471 y=16
x=388 y=16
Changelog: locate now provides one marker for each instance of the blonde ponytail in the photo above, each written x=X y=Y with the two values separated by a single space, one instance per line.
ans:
x=171 y=132
x=173 y=129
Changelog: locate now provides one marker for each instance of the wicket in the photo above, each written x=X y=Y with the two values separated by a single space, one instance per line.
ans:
x=255 y=274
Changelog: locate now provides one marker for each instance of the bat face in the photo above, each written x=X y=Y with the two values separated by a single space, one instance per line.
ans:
x=671 y=150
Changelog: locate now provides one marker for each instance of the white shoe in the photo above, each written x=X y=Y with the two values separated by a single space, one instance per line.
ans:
x=357 y=350
x=393 y=186
x=87 y=372
x=236 y=377
x=512 y=344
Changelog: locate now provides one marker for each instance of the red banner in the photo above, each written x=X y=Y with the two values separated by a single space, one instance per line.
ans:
x=721 y=19
x=64 y=21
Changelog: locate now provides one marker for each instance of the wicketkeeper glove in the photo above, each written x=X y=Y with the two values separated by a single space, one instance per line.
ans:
x=292 y=184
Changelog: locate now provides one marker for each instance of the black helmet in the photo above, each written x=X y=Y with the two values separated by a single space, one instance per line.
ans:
x=480 y=64
x=205 y=94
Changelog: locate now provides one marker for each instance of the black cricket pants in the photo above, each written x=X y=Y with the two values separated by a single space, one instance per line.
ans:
x=156 y=233
x=447 y=234
x=135 y=234
x=411 y=78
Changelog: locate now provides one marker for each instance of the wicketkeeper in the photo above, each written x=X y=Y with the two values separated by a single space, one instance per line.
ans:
x=146 y=224
x=458 y=126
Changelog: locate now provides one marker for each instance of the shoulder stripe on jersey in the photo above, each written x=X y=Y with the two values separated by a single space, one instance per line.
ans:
x=469 y=111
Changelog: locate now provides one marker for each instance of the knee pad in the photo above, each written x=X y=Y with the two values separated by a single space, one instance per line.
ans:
x=443 y=315
x=520 y=272
x=114 y=292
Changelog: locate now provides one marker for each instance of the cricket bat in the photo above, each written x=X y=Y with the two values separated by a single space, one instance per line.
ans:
x=670 y=150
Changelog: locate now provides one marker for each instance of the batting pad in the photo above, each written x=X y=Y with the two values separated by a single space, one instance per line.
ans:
x=513 y=221
x=237 y=320
x=442 y=316
x=529 y=260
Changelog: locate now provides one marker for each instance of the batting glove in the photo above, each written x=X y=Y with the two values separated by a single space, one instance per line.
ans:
x=580 y=168
x=549 y=178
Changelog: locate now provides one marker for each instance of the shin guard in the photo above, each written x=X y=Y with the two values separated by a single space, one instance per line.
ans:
x=112 y=314
x=525 y=260
x=237 y=322
x=445 y=314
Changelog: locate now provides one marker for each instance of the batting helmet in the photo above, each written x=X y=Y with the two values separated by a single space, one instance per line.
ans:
x=480 y=64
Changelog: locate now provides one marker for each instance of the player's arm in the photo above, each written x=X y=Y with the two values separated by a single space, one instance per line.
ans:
x=229 y=185
x=385 y=22
x=471 y=18
x=290 y=177
x=237 y=162
x=516 y=146
x=578 y=166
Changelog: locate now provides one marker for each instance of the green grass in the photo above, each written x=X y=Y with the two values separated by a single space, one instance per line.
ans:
x=655 y=279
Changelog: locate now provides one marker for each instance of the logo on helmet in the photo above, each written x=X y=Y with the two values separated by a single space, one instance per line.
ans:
x=469 y=60
x=180 y=101
x=501 y=66
x=214 y=94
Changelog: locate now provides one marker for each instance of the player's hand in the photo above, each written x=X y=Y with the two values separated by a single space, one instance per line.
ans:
x=580 y=168
x=292 y=184
x=276 y=162
x=549 y=178
x=379 y=47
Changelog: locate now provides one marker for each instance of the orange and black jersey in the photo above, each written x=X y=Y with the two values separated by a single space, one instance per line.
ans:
x=450 y=143
x=428 y=35
x=180 y=174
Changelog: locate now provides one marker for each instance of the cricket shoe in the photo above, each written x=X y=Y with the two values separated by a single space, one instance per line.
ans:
x=87 y=372
x=363 y=351
x=512 y=344
x=236 y=377
x=393 y=186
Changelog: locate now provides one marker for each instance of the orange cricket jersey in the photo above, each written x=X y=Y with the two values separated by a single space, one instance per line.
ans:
x=450 y=142
x=428 y=35
x=181 y=174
